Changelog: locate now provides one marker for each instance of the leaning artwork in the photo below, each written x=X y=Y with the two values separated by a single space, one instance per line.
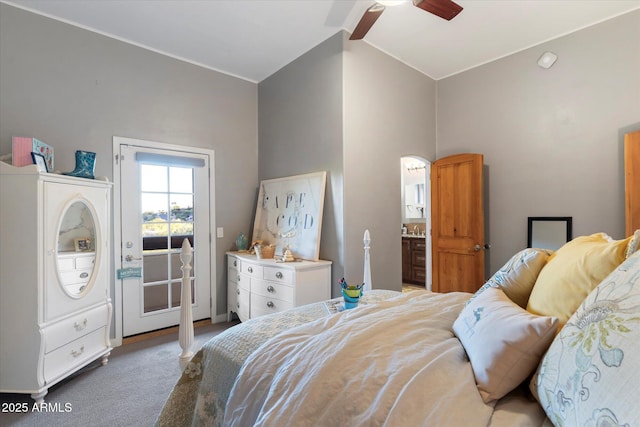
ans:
x=289 y=214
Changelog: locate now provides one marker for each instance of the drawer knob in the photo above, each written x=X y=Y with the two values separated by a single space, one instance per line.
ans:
x=237 y=305
x=270 y=304
x=81 y=325
x=235 y=263
x=279 y=275
x=238 y=278
x=270 y=289
x=84 y=275
x=238 y=291
x=250 y=270
x=76 y=353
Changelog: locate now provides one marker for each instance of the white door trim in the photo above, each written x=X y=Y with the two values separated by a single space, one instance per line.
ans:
x=117 y=235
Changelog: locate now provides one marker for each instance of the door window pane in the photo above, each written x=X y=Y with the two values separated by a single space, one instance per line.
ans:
x=181 y=180
x=176 y=289
x=155 y=268
x=153 y=178
x=155 y=228
x=155 y=297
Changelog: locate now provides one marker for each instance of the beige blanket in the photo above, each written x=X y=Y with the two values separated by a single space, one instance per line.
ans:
x=395 y=363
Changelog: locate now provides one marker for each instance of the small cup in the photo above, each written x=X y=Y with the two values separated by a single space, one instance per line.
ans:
x=349 y=301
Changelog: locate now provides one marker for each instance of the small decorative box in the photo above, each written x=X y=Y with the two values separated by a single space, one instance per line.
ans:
x=22 y=148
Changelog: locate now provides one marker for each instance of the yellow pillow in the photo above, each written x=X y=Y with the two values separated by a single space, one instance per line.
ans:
x=572 y=272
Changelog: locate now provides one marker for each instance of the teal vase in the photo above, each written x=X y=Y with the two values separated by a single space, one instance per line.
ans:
x=241 y=242
x=85 y=165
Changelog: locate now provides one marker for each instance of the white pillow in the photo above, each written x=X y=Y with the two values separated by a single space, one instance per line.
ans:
x=504 y=342
x=517 y=277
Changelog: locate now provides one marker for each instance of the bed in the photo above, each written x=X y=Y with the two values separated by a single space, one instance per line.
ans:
x=515 y=353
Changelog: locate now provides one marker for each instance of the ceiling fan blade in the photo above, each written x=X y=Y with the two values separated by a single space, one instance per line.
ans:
x=445 y=9
x=366 y=22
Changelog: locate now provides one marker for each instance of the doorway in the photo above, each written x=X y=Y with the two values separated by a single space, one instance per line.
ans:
x=163 y=195
x=416 y=222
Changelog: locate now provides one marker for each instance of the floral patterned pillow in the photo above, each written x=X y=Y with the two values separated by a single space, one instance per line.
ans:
x=591 y=373
x=517 y=277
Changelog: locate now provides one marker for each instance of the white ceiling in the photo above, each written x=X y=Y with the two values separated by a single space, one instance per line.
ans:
x=252 y=39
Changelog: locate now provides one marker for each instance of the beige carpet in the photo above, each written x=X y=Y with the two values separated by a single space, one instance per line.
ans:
x=129 y=391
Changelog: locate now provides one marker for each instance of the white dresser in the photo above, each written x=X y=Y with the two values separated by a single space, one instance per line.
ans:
x=256 y=287
x=55 y=309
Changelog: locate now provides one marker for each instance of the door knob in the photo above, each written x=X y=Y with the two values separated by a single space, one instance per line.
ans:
x=477 y=248
x=130 y=258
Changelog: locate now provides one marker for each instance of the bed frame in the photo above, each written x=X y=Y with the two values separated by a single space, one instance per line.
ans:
x=185 y=329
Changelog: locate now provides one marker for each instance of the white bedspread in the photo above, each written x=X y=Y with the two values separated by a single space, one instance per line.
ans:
x=395 y=363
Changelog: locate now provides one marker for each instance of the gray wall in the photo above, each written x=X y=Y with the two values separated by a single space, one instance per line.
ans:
x=75 y=89
x=300 y=131
x=389 y=112
x=552 y=139
x=349 y=109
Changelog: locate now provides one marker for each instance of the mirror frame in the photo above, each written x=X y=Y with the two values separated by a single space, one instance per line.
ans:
x=96 y=245
x=565 y=219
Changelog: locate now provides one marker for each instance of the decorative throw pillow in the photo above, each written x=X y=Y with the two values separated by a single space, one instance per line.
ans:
x=591 y=373
x=503 y=341
x=517 y=277
x=572 y=272
x=634 y=244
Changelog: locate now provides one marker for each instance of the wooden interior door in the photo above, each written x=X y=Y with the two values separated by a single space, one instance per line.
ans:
x=632 y=181
x=457 y=223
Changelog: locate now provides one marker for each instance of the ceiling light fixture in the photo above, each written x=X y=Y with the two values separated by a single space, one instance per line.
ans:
x=547 y=60
x=391 y=2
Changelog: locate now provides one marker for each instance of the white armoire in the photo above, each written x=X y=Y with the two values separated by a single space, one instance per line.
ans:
x=55 y=309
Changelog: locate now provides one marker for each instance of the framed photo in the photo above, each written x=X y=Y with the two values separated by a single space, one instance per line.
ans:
x=549 y=232
x=40 y=161
x=82 y=244
x=289 y=214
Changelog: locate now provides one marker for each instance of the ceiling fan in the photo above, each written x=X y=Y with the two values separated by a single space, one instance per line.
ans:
x=445 y=9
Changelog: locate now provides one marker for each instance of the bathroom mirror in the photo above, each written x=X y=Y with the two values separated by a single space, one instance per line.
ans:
x=76 y=254
x=414 y=200
x=548 y=232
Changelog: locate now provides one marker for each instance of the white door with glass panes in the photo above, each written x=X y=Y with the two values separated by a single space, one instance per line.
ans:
x=164 y=199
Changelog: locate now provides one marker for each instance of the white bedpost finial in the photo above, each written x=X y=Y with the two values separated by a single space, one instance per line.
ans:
x=185 y=331
x=367 y=263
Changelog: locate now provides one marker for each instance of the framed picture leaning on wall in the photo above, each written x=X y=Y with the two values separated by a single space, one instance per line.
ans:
x=40 y=161
x=289 y=214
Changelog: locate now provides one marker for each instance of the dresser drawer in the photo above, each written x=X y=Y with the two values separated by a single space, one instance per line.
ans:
x=272 y=290
x=85 y=262
x=72 y=328
x=244 y=281
x=418 y=259
x=232 y=297
x=418 y=245
x=75 y=276
x=243 y=298
x=66 y=264
x=279 y=275
x=233 y=262
x=63 y=360
x=261 y=305
x=251 y=270
x=232 y=275
x=419 y=274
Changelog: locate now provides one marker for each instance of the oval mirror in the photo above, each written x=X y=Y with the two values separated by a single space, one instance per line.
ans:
x=76 y=249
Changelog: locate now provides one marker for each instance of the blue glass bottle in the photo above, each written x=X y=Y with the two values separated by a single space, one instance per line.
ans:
x=241 y=242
